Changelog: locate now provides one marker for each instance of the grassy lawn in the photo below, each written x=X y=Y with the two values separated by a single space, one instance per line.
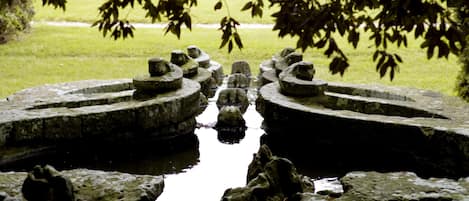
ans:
x=87 y=11
x=61 y=54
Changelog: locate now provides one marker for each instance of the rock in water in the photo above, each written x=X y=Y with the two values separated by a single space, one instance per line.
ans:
x=44 y=183
x=233 y=97
x=231 y=125
x=270 y=178
x=241 y=67
x=238 y=80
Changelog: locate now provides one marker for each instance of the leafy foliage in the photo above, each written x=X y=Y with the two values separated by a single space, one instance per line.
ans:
x=15 y=16
x=462 y=86
x=313 y=22
x=55 y=3
x=175 y=11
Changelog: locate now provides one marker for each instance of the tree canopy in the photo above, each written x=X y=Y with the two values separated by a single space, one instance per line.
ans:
x=313 y=22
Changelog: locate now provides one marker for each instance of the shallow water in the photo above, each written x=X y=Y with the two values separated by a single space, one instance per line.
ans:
x=220 y=166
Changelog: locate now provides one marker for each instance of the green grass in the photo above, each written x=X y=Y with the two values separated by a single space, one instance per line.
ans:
x=61 y=54
x=87 y=11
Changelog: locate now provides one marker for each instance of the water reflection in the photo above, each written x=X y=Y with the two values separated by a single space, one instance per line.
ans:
x=221 y=165
x=139 y=159
x=229 y=137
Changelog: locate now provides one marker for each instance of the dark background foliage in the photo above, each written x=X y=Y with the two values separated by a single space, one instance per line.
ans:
x=15 y=16
x=462 y=86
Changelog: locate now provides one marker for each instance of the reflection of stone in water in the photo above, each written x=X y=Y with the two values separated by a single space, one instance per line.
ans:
x=230 y=125
x=231 y=136
x=150 y=158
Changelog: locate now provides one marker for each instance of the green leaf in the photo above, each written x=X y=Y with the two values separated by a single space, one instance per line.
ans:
x=375 y=55
x=238 y=41
x=247 y=6
x=380 y=62
x=430 y=50
x=398 y=58
x=218 y=5
x=230 y=46
x=187 y=20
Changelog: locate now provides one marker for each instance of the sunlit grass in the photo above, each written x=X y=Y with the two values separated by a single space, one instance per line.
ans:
x=61 y=54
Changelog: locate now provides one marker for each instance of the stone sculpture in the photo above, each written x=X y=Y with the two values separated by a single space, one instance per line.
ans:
x=205 y=62
x=297 y=80
x=192 y=71
x=188 y=65
x=163 y=76
x=270 y=178
x=271 y=69
x=233 y=97
x=230 y=125
x=238 y=80
x=241 y=67
x=284 y=62
x=199 y=56
x=44 y=183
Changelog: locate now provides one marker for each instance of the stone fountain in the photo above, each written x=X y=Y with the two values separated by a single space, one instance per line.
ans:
x=363 y=126
x=154 y=110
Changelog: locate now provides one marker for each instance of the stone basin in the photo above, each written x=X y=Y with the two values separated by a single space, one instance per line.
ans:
x=362 y=126
x=94 y=111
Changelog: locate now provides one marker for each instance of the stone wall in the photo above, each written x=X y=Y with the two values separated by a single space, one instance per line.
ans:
x=350 y=138
x=97 y=111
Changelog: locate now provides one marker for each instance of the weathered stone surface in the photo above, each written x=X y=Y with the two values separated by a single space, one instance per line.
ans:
x=286 y=51
x=6 y=129
x=11 y=182
x=428 y=136
x=267 y=77
x=281 y=63
x=233 y=97
x=28 y=130
x=297 y=80
x=208 y=85
x=241 y=67
x=238 y=80
x=94 y=185
x=230 y=116
x=110 y=186
x=62 y=127
x=400 y=186
x=270 y=178
x=189 y=66
x=203 y=103
x=111 y=115
x=158 y=67
x=217 y=72
x=6 y=197
x=199 y=56
x=46 y=183
x=157 y=83
x=271 y=69
x=311 y=197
